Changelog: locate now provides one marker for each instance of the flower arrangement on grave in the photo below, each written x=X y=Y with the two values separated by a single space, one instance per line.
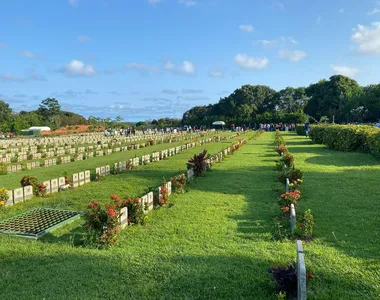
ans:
x=289 y=198
x=39 y=189
x=198 y=163
x=68 y=181
x=295 y=184
x=3 y=169
x=305 y=225
x=101 y=224
x=4 y=196
x=128 y=166
x=135 y=210
x=161 y=198
x=179 y=182
x=294 y=175
x=281 y=149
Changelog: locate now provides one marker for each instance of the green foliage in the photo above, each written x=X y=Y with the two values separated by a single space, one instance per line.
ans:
x=300 y=129
x=198 y=163
x=347 y=137
x=305 y=225
x=3 y=169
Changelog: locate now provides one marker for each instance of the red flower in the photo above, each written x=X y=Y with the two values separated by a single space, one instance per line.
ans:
x=117 y=230
x=302 y=225
x=285 y=209
x=162 y=201
x=114 y=197
x=309 y=276
x=111 y=213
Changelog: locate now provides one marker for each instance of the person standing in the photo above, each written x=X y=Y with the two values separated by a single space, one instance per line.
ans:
x=307 y=129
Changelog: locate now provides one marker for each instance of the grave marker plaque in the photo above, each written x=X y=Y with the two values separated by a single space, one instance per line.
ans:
x=150 y=201
x=10 y=199
x=81 y=178
x=18 y=195
x=75 y=180
x=102 y=171
x=28 y=192
x=47 y=186
x=123 y=219
x=169 y=187
x=61 y=181
x=144 y=202
x=108 y=170
x=54 y=185
x=87 y=176
x=29 y=166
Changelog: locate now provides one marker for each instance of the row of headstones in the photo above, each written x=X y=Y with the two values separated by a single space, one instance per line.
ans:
x=51 y=186
x=146 y=203
x=67 y=159
x=292 y=219
x=76 y=140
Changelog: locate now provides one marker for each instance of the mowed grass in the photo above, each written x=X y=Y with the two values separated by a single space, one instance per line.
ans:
x=343 y=191
x=215 y=242
x=12 y=180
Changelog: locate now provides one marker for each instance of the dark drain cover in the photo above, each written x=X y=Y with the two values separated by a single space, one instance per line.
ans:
x=36 y=222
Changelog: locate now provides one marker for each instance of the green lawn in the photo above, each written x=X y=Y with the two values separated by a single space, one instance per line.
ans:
x=215 y=242
x=12 y=180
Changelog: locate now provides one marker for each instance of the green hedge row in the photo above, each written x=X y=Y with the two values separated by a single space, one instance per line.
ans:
x=347 y=137
x=300 y=129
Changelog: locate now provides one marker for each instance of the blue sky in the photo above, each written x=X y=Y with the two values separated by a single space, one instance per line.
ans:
x=146 y=59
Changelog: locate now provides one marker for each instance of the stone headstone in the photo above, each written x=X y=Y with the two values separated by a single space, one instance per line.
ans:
x=61 y=181
x=98 y=171
x=81 y=178
x=108 y=169
x=123 y=218
x=169 y=187
x=189 y=174
x=287 y=185
x=75 y=180
x=150 y=200
x=301 y=272
x=103 y=171
x=47 y=186
x=87 y=176
x=28 y=192
x=54 y=185
x=29 y=166
x=14 y=169
x=10 y=198
x=292 y=217
x=144 y=202
x=18 y=195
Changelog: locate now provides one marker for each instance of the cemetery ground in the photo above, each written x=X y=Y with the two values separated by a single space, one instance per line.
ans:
x=12 y=180
x=215 y=241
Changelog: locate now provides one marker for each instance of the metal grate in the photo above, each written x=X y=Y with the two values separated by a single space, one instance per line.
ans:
x=36 y=222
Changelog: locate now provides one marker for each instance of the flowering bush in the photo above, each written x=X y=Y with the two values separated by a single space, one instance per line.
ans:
x=68 y=181
x=39 y=189
x=289 y=198
x=306 y=225
x=102 y=223
x=293 y=185
x=281 y=149
x=135 y=210
x=161 y=198
x=278 y=139
x=4 y=196
x=294 y=175
x=179 y=183
x=3 y=169
x=288 y=159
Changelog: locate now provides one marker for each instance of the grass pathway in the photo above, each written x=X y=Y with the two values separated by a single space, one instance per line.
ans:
x=213 y=243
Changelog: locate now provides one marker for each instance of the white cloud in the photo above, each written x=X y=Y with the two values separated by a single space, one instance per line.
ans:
x=169 y=91
x=341 y=11
x=188 y=3
x=30 y=75
x=191 y=91
x=251 y=63
x=344 y=70
x=247 y=28
x=367 y=38
x=154 y=2
x=84 y=38
x=169 y=65
x=319 y=20
x=373 y=12
x=77 y=67
x=296 y=55
x=280 y=42
x=279 y=5
x=187 y=68
x=216 y=74
x=73 y=3
x=10 y=77
x=142 y=68
x=28 y=54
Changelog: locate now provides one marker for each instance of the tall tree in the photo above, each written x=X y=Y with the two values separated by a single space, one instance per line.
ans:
x=5 y=116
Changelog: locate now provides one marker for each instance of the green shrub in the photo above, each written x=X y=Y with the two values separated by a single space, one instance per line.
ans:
x=300 y=129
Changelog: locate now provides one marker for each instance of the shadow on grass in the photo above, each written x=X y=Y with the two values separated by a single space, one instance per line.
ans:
x=113 y=274
x=348 y=160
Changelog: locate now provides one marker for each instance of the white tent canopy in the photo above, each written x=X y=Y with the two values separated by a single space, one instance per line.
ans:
x=39 y=128
x=221 y=123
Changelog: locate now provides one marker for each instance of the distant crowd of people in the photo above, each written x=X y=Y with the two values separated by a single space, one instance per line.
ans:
x=280 y=126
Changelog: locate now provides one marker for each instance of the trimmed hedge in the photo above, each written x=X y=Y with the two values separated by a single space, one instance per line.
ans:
x=300 y=129
x=347 y=137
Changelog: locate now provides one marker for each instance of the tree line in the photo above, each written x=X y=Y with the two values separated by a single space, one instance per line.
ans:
x=340 y=98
